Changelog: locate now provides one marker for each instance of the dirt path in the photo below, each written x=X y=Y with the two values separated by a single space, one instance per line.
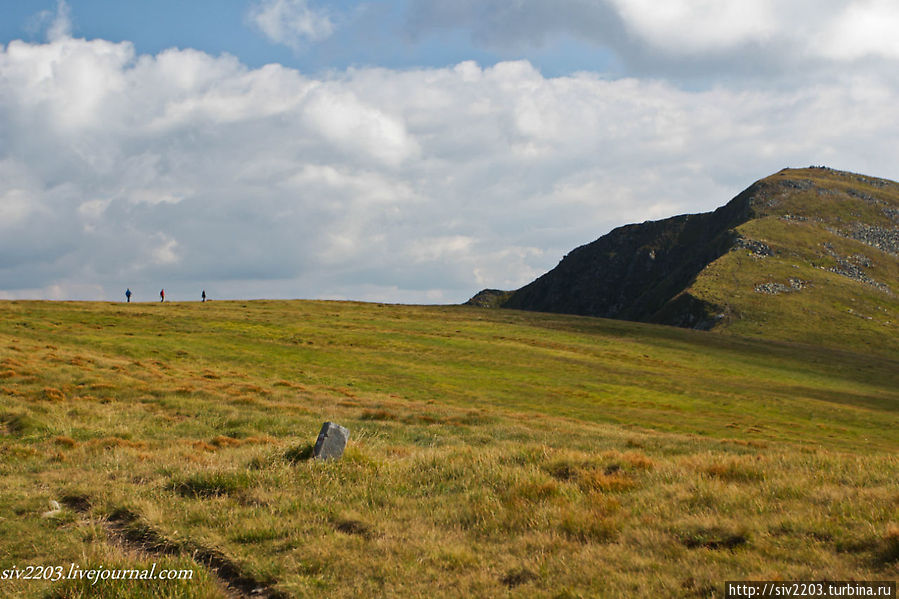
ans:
x=126 y=529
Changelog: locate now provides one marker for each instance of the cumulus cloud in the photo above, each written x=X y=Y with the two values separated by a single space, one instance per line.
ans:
x=190 y=171
x=291 y=23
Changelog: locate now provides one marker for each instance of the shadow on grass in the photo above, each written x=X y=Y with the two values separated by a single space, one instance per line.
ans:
x=212 y=484
x=300 y=453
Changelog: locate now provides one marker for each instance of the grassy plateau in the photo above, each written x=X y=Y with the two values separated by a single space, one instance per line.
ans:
x=493 y=453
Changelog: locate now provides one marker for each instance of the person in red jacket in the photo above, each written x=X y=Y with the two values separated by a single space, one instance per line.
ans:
x=162 y=295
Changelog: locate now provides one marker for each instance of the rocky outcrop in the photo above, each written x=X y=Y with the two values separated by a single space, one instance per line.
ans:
x=774 y=288
x=489 y=298
x=882 y=238
x=636 y=271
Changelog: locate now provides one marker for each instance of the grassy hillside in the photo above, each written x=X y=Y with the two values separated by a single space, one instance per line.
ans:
x=808 y=255
x=819 y=263
x=493 y=453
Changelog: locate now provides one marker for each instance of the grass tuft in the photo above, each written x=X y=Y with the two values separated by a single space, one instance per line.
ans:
x=518 y=577
x=353 y=526
x=377 y=415
x=590 y=526
x=633 y=459
x=609 y=482
x=696 y=536
x=79 y=502
x=212 y=484
x=890 y=551
x=264 y=534
x=53 y=394
x=23 y=424
x=735 y=469
x=114 y=442
x=563 y=470
x=300 y=453
x=65 y=441
x=534 y=491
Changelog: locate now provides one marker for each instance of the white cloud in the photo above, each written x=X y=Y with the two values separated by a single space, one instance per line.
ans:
x=290 y=22
x=347 y=122
x=841 y=30
x=149 y=196
x=862 y=29
x=61 y=25
x=55 y=25
x=166 y=250
x=431 y=249
x=692 y=26
x=189 y=171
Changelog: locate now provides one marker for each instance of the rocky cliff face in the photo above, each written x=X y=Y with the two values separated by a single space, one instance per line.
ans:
x=636 y=271
x=826 y=239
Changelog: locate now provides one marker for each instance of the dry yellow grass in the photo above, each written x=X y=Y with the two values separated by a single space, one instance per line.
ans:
x=475 y=468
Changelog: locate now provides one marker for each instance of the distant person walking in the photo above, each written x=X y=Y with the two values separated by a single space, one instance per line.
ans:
x=162 y=295
x=128 y=295
x=203 y=295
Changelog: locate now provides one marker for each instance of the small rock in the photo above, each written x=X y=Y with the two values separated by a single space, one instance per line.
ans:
x=772 y=288
x=331 y=442
x=757 y=248
x=801 y=184
x=55 y=508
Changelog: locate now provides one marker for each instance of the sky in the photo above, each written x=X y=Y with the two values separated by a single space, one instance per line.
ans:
x=411 y=151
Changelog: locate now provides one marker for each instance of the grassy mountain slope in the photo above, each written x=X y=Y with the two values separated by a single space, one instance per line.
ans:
x=807 y=254
x=493 y=453
x=828 y=269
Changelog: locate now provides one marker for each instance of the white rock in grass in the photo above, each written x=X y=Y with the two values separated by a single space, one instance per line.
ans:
x=55 y=508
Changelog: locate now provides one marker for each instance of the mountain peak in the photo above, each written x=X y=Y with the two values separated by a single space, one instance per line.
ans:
x=808 y=254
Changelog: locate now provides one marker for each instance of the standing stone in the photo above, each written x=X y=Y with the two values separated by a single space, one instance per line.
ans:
x=331 y=442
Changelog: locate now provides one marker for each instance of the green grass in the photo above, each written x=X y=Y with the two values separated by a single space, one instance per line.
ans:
x=808 y=231
x=491 y=453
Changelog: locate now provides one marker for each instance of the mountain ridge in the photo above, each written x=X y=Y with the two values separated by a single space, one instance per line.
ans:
x=801 y=248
